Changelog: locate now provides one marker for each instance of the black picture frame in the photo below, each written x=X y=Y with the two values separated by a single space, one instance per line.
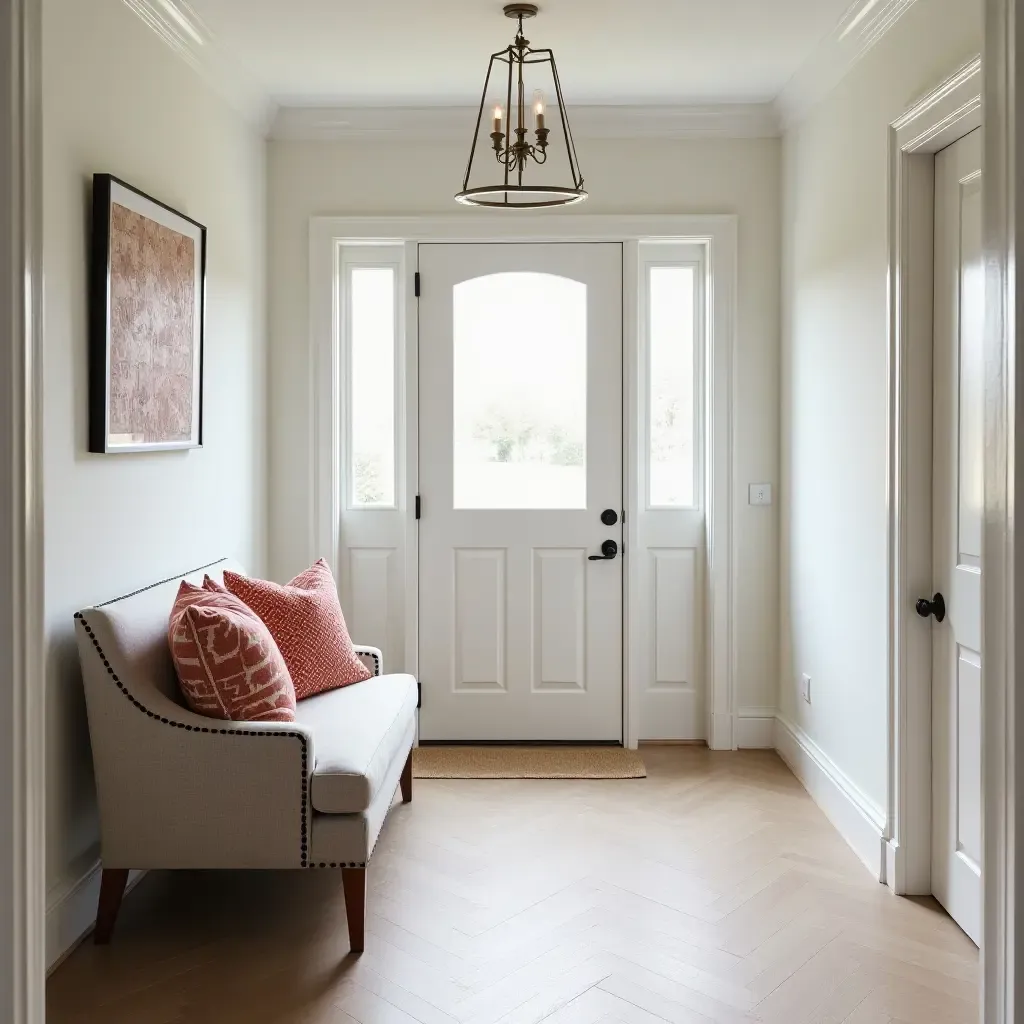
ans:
x=109 y=191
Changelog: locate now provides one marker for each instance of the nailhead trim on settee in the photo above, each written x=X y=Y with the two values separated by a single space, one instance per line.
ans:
x=303 y=831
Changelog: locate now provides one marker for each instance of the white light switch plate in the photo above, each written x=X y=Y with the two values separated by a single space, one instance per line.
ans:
x=805 y=687
x=760 y=494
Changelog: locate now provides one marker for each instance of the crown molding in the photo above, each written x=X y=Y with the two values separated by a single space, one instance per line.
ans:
x=861 y=27
x=384 y=124
x=180 y=28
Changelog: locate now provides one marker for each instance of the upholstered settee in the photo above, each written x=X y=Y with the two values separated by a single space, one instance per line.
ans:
x=177 y=790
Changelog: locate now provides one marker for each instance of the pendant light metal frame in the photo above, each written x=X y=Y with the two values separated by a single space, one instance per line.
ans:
x=514 y=157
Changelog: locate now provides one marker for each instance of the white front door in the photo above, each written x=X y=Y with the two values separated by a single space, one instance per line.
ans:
x=958 y=510
x=520 y=427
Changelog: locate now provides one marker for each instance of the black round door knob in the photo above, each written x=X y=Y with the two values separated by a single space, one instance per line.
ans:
x=609 y=517
x=936 y=606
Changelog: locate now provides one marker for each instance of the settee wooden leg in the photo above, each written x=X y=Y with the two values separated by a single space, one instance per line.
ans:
x=353 y=881
x=112 y=886
x=407 y=781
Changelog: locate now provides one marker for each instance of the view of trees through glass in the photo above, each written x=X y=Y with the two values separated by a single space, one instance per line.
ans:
x=520 y=390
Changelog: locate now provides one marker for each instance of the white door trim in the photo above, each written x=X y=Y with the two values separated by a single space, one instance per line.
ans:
x=1003 y=594
x=22 y=722
x=946 y=114
x=718 y=233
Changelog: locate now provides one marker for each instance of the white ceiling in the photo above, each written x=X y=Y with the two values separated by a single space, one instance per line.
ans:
x=414 y=52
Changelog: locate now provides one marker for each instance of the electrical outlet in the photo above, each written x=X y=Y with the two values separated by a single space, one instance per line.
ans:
x=760 y=494
x=805 y=687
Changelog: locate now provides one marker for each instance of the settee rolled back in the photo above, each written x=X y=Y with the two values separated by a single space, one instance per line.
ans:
x=135 y=635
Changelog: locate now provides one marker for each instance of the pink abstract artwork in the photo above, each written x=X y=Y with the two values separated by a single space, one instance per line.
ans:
x=151 y=387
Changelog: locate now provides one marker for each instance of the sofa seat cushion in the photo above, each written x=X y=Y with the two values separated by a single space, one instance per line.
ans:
x=358 y=733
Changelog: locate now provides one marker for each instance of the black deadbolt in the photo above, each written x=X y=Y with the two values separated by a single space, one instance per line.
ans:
x=936 y=606
x=609 y=517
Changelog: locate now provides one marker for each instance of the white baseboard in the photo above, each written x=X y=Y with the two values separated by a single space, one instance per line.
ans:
x=857 y=819
x=71 y=913
x=894 y=873
x=720 y=732
x=755 y=728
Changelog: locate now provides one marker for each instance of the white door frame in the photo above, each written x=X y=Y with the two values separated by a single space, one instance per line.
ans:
x=22 y=695
x=718 y=233
x=946 y=114
x=1003 y=594
x=1002 y=87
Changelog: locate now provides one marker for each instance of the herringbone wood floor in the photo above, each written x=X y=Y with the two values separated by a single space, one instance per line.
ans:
x=714 y=890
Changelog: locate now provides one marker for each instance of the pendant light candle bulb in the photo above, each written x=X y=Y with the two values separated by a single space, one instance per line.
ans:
x=498 y=114
x=538 y=108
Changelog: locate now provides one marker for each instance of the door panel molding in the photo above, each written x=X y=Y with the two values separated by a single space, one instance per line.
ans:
x=718 y=234
x=945 y=115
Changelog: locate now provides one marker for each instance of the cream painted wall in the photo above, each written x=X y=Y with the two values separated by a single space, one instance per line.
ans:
x=734 y=176
x=834 y=388
x=117 y=99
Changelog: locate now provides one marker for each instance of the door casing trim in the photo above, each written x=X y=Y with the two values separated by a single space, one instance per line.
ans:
x=949 y=112
x=716 y=231
x=1003 y=585
x=22 y=694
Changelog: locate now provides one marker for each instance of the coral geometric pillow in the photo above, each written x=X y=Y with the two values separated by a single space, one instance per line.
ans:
x=227 y=662
x=304 y=617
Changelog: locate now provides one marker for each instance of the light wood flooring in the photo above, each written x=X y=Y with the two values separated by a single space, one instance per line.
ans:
x=713 y=890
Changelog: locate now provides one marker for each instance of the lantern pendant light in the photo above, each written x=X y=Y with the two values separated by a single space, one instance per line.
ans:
x=518 y=153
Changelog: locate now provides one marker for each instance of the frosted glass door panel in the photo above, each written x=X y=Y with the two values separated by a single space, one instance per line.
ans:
x=372 y=385
x=520 y=392
x=672 y=406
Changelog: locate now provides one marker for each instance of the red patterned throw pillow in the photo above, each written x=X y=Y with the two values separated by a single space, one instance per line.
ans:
x=304 y=617
x=227 y=662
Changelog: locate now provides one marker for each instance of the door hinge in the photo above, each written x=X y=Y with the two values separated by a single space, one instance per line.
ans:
x=418 y=506
x=416 y=283
x=419 y=695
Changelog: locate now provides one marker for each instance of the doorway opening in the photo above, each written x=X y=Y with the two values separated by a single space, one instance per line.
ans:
x=933 y=833
x=467 y=512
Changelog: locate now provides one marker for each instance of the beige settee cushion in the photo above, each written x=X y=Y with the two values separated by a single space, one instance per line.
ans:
x=357 y=732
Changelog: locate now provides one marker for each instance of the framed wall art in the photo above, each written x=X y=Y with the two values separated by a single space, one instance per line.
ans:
x=147 y=304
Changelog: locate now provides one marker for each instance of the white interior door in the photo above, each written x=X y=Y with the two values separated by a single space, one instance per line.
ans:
x=520 y=356
x=958 y=509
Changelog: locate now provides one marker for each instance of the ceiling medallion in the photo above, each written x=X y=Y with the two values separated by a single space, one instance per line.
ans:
x=517 y=157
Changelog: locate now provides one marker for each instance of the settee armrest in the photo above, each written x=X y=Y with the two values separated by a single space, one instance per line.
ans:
x=371 y=657
x=178 y=790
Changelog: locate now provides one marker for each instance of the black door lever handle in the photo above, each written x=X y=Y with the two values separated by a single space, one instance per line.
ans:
x=609 y=549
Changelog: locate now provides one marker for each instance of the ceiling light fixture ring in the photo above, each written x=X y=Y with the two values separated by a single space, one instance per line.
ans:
x=559 y=196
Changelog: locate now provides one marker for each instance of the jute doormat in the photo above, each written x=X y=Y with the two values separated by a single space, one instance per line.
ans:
x=527 y=763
